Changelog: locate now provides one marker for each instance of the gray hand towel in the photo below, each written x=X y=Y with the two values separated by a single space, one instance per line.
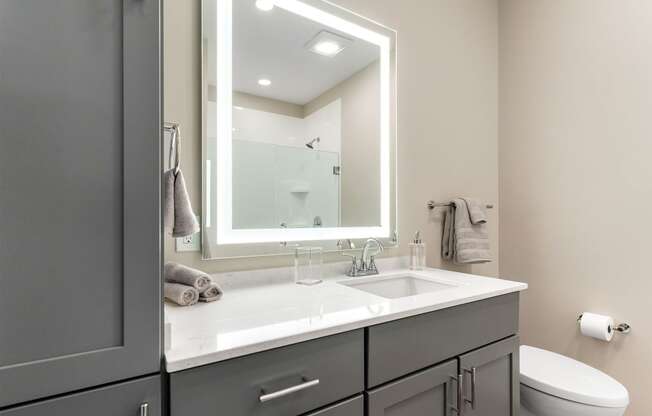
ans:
x=178 y=273
x=448 y=235
x=462 y=241
x=168 y=199
x=477 y=211
x=182 y=295
x=177 y=211
x=212 y=293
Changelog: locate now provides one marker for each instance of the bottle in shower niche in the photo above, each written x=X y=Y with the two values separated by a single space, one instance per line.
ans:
x=417 y=253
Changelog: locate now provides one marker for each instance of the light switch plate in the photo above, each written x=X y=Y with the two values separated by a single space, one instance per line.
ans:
x=189 y=243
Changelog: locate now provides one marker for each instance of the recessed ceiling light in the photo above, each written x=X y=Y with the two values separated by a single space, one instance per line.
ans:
x=237 y=107
x=265 y=5
x=328 y=48
x=328 y=44
x=264 y=82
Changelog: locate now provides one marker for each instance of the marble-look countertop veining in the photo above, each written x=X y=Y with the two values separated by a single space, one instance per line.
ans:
x=251 y=319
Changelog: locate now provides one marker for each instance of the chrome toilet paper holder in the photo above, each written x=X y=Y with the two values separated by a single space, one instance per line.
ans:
x=619 y=329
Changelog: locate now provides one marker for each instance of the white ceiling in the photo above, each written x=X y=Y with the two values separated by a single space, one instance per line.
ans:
x=272 y=45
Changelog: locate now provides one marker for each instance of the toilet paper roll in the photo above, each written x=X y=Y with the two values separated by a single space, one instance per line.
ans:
x=597 y=326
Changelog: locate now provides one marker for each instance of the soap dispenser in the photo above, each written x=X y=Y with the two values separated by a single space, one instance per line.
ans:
x=417 y=253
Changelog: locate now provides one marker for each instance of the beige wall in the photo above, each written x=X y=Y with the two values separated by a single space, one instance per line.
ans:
x=268 y=105
x=576 y=178
x=447 y=92
x=360 y=188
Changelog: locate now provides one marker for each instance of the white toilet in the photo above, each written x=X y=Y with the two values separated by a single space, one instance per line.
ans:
x=555 y=385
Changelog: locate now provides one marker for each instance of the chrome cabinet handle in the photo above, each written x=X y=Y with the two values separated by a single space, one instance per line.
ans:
x=474 y=375
x=144 y=409
x=457 y=407
x=281 y=393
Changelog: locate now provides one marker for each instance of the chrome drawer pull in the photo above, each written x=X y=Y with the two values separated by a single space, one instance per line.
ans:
x=474 y=375
x=277 y=394
x=144 y=409
x=458 y=406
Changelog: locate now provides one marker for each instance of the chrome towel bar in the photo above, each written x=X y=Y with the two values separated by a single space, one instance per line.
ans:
x=432 y=205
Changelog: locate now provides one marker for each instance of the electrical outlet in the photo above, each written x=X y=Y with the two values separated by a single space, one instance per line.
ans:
x=189 y=243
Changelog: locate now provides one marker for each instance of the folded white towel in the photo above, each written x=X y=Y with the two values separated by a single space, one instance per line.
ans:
x=178 y=273
x=180 y=294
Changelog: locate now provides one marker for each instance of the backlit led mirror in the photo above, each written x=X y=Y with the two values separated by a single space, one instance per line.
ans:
x=298 y=124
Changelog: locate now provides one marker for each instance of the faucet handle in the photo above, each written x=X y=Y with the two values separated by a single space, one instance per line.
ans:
x=353 y=271
x=374 y=247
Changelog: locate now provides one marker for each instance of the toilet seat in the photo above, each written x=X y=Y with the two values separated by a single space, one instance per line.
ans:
x=563 y=377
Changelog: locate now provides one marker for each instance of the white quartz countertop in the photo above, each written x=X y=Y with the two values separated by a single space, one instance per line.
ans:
x=253 y=319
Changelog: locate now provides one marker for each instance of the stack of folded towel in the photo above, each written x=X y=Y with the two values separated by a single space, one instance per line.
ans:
x=186 y=286
x=465 y=239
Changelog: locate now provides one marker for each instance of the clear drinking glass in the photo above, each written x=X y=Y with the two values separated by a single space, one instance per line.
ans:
x=307 y=265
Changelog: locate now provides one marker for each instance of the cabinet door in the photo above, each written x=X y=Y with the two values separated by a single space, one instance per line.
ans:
x=495 y=391
x=352 y=407
x=79 y=179
x=430 y=392
x=125 y=399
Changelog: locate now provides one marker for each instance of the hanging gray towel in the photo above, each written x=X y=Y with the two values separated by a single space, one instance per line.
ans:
x=477 y=211
x=212 y=293
x=448 y=235
x=463 y=241
x=180 y=294
x=178 y=216
x=177 y=210
x=178 y=273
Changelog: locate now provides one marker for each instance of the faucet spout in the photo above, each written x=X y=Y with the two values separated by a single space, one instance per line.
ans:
x=372 y=248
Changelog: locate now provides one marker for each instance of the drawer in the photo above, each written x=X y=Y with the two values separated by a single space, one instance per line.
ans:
x=124 y=399
x=352 y=407
x=282 y=382
x=407 y=345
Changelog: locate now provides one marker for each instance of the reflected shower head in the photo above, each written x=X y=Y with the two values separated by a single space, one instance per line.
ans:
x=311 y=143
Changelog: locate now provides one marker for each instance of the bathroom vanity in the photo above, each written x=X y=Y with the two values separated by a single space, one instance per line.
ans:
x=338 y=350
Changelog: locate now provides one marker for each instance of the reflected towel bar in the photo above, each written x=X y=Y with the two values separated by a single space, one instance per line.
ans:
x=433 y=205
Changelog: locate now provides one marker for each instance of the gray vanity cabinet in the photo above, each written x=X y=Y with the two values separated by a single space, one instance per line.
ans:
x=289 y=381
x=125 y=399
x=407 y=345
x=431 y=392
x=79 y=200
x=495 y=390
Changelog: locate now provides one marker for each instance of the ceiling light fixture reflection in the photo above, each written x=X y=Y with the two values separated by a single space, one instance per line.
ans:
x=327 y=44
x=264 y=82
x=265 y=5
x=327 y=48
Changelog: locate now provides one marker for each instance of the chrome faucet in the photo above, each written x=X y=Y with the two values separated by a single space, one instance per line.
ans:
x=367 y=264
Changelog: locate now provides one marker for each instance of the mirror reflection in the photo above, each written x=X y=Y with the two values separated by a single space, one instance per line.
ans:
x=298 y=160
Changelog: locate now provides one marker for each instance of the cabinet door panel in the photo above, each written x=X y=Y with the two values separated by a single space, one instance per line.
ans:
x=497 y=379
x=428 y=392
x=80 y=179
x=123 y=399
x=352 y=407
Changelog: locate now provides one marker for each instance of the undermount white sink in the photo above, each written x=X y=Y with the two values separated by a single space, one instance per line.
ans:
x=394 y=287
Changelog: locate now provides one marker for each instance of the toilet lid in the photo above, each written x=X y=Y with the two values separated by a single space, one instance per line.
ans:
x=569 y=379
